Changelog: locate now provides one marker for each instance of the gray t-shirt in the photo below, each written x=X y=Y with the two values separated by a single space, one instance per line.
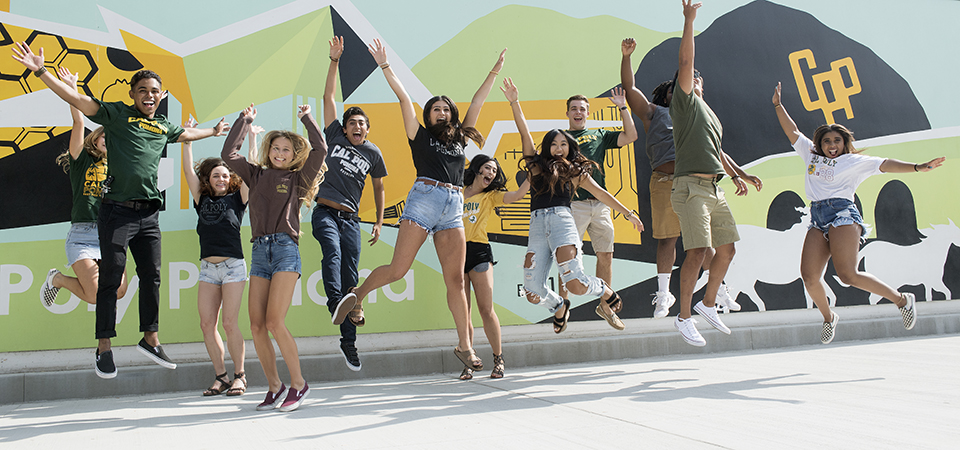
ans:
x=660 y=148
x=347 y=167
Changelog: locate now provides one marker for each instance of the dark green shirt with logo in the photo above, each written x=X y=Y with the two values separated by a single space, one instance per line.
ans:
x=135 y=144
x=86 y=177
x=593 y=144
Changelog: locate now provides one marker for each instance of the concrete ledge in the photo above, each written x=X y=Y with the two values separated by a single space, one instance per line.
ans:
x=63 y=374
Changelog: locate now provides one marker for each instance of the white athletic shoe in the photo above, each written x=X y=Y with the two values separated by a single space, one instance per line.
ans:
x=48 y=293
x=725 y=300
x=688 y=329
x=663 y=300
x=829 y=328
x=909 y=311
x=712 y=317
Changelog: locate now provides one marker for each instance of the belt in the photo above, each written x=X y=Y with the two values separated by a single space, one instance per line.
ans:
x=340 y=213
x=432 y=182
x=135 y=205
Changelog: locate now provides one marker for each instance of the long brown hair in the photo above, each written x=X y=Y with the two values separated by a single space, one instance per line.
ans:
x=559 y=171
x=451 y=131
x=205 y=166
x=845 y=133
x=89 y=146
x=301 y=150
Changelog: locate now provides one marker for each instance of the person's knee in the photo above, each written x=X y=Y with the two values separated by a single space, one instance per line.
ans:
x=847 y=275
x=208 y=325
x=257 y=326
x=275 y=324
x=575 y=287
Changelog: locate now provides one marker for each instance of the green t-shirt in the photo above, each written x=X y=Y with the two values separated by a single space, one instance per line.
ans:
x=134 y=143
x=86 y=176
x=594 y=144
x=696 y=135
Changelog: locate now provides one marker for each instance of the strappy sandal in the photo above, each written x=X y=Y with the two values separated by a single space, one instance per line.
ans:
x=614 y=302
x=238 y=390
x=497 y=366
x=224 y=385
x=468 y=358
x=559 y=324
x=467 y=374
x=355 y=316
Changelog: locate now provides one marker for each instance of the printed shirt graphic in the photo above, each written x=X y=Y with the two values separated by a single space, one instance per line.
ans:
x=477 y=211
x=135 y=144
x=436 y=160
x=218 y=225
x=86 y=180
x=834 y=178
x=593 y=144
x=347 y=167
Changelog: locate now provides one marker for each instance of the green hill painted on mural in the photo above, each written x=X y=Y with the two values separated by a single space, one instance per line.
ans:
x=550 y=56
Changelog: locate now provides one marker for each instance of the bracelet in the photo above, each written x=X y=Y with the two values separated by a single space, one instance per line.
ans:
x=734 y=177
x=915 y=169
x=495 y=73
x=776 y=106
x=629 y=214
x=623 y=108
x=515 y=101
x=384 y=65
x=334 y=60
x=42 y=70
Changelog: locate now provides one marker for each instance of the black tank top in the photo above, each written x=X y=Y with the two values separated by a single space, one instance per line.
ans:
x=561 y=197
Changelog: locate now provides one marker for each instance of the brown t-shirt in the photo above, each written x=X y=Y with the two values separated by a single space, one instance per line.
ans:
x=274 y=193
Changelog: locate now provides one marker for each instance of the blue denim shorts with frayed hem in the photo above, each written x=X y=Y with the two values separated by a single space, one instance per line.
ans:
x=835 y=212
x=230 y=270
x=274 y=253
x=433 y=208
x=83 y=242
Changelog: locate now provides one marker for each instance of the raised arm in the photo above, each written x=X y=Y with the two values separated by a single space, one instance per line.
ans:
x=330 y=88
x=685 y=75
x=513 y=96
x=186 y=163
x=587 y=182
x=234 y=141
x=786 y=123
x=513 y=196
x=253 y=153
x=473 y=112
x=23 y=54
x=629 y=133
x=895 y=166
x=410 y=124
x=380 y=199
x=195 y=134
x=76 y=133
x=738 y=176
x=318 y=146
x=635 y=98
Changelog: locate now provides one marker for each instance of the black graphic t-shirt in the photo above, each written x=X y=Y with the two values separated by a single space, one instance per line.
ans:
x=347 y=167
x=218 y=225
x=437 y=160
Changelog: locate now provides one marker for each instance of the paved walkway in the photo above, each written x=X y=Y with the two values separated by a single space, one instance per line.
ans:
x=895 y=393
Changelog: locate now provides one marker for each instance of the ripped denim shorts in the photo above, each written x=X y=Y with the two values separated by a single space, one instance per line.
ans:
x=834 y=212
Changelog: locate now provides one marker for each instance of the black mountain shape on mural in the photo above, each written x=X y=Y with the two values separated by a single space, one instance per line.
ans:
x=744 y=53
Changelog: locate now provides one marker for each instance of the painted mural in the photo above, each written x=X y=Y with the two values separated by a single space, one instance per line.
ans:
x=836 y=64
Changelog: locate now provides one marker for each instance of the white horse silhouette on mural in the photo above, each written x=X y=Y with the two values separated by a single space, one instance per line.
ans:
x=912 y=265
x=770 y=256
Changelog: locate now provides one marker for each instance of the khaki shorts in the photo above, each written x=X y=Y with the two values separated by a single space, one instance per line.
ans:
x=593 y=217
x=666 y=224
x=705 y=218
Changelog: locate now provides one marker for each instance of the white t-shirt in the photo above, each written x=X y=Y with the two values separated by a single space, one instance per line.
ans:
x=837 y=177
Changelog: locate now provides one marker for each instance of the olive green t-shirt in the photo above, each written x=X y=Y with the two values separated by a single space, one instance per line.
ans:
x=593 y=144
x=697 y=134
x=134 y=143
x=86 y=176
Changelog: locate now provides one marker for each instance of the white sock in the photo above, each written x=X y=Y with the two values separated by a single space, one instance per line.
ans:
x=663 y=282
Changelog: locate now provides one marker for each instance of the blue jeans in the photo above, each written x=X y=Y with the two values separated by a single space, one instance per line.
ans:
x=120 y=227
x=550 y=229
x=339 y=240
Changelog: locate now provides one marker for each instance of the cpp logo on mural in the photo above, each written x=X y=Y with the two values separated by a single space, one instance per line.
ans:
x=834 y=77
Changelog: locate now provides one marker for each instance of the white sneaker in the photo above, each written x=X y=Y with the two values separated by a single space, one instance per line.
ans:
x=909 y=311
x=688 y=329
x=724 y=299
x=663 y=300
x=712 y=317
x=829 y=328
x=48 y=293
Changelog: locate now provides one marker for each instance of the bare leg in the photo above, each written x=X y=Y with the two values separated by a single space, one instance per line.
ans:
x=230 y=313
x=454 y=249
x=689 y=273
x=605 y=267
x=845 y=248
x=466 y=292
x=666 y=254
x=718 y=269
x=483 y=285
x=85 y=284
x=257 y=306
x=208 y=305
x=813 y=261
x=409 y=240
x=278 y=303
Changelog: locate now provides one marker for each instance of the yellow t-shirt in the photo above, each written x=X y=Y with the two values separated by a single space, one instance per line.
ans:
x=476 y=210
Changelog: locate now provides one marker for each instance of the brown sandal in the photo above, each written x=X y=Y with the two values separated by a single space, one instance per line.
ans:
x=497 y=366
x=238 y=390
x=468 y=358
x=467 y=374
x=224 y=385
x=355 y=316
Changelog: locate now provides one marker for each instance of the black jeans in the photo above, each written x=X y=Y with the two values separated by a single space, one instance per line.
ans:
x=119 y=227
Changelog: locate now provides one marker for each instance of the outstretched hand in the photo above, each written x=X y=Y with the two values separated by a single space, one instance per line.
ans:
x=70 y=79
x=336 y=47
x=255 y=130
x=302 y=110
x=776 y=95
x=190 y=123
x=250 y=112
x=619 y=97
x=741 y=184
x=23 y=54
x=221 y=127
x=690 y=9
x=628 y=46
x=510 y=90
x=499 y=64
x=932 y=164
x=378 y=51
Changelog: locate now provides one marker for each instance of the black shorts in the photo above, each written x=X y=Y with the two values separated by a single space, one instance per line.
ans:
x=477 y=254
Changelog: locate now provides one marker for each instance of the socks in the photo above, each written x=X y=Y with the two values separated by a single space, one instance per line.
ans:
x=663 y=282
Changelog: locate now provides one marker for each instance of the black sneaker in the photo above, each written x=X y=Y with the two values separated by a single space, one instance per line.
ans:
x=156 y=354
x=105 y=367
x=350 y=355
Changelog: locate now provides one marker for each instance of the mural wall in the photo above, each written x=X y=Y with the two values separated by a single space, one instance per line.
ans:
x=837 y=63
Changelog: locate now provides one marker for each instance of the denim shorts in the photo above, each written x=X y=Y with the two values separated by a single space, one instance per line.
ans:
x=433 y=208
x=835 y=212
x=230 y=270
x=274 y=253
x=83 y=242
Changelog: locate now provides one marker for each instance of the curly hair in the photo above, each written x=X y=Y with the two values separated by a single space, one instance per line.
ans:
x=301 y=150
x=499 y=182
x=450 y=131
x=89 y=145
x=660 y=93
x=557 y=170
x=845 y=133
x=205 y=167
